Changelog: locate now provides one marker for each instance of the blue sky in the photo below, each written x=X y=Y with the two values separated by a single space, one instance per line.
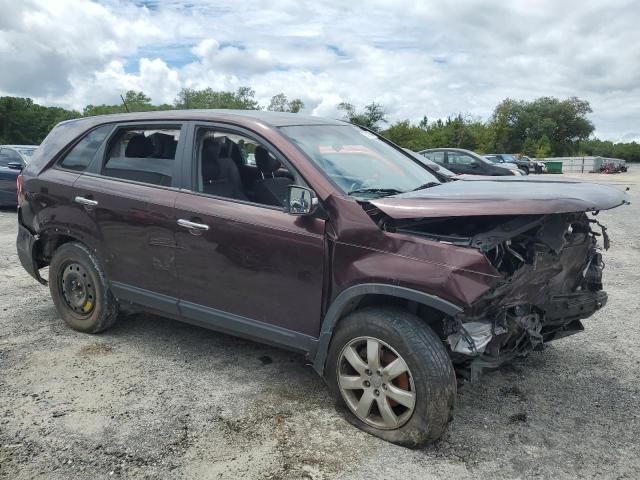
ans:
x=415 y=57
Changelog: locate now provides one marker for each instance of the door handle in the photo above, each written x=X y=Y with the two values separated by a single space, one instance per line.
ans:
x=193 y=225
x=87 y=202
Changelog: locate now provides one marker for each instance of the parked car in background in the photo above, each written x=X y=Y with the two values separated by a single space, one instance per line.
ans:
x=539 y=167
x=13 y=159
x=503 y=163
x=466 y=162
x=611 y=167
x=431 y=164
x=336 y=243
x=526 y=166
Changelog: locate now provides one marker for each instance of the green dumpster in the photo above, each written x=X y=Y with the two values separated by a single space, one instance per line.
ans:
x=554 y=167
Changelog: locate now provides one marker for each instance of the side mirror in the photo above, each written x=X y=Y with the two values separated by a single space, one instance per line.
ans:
x=301 y=201
x=474 y=164
x=15 y=165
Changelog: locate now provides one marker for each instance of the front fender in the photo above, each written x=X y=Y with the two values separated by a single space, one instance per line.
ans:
x=351 y=294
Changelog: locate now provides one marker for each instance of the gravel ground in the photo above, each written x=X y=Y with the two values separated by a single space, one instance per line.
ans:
x=153 y=398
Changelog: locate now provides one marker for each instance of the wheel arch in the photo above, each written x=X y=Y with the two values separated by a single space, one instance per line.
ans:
x=48 y=241
x=353 y=297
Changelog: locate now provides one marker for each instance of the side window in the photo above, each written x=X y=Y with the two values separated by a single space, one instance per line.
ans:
x=460 y=158
x=81 y=155
x=4 y=157
x=437 y=157
x=8 y=156
x=144 y=155
x=238 y=167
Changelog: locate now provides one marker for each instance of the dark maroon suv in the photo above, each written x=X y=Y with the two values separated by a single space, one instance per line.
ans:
x=317 y=236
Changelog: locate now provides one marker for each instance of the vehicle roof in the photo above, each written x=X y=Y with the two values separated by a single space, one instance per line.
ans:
x=459 y=150
x=448 y=149
x=20 y=146
x=274 y=119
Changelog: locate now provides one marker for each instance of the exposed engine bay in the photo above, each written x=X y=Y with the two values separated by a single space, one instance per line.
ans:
x=552 y=278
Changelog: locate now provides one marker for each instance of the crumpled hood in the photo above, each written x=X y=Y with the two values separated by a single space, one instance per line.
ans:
x=502 y=196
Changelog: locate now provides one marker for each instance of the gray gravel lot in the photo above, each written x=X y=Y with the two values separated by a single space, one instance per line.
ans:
x=153 y=398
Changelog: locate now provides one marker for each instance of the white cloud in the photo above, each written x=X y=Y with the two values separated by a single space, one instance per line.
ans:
x=416 y=58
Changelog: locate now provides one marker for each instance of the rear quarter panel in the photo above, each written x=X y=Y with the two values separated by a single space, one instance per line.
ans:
x=47 y=203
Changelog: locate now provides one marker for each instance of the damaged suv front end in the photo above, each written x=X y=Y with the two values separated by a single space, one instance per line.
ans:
x=552 y=279
x=542 y=239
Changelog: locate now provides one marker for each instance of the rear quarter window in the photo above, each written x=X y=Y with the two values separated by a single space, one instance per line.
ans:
x=80 y=156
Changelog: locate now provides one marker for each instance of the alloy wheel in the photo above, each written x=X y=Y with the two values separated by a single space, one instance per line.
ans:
x=376 y=383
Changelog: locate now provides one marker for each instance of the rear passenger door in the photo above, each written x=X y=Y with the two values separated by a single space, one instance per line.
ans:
x=126 y=198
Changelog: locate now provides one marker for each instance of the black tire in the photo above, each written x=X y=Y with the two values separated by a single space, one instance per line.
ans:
x=433 y=376
x=525 y=170
x=99 y=309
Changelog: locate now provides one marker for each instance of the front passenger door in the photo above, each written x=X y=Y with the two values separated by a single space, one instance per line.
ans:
x=245 y=267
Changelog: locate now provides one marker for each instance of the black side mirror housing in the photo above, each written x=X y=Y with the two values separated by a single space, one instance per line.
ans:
x=301 y=201
x=474 y=164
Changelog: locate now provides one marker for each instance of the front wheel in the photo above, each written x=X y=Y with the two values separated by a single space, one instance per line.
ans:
x=393 y=374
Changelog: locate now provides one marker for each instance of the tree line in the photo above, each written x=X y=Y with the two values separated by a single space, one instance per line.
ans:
x=544 y=127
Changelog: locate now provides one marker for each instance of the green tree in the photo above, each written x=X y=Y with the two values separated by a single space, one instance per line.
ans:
x=241 y=99
x=372 y=116
x=135 y=102
x=407 y=135
x=25 y=122
x=296 y=105
x=604 y=148
x=280 y=103
x=544 y=147
x=529 y=147
x=542 y=127
x=564 y=122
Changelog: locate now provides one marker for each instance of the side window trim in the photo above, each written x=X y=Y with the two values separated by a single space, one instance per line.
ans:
x=97 y=164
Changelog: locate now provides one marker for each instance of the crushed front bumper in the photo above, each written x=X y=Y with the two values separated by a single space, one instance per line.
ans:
x=574 y=306
x=495 y=346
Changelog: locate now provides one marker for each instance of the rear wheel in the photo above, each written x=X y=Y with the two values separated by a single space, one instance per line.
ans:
x=79 y=289
x=393 y=375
